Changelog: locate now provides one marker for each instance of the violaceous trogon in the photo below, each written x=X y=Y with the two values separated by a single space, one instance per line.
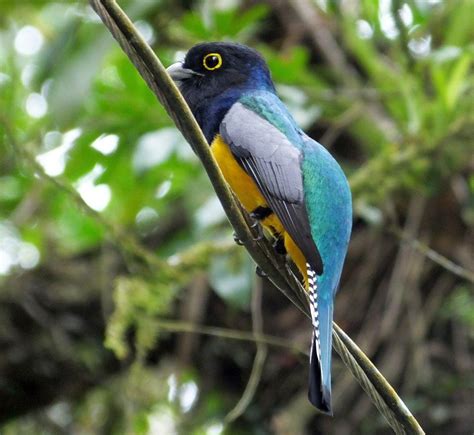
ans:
x=282 y=177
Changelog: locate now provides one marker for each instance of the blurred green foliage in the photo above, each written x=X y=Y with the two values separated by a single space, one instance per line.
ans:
x=70 y=100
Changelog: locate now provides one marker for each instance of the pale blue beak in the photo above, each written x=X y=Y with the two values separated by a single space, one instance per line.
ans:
x=178 y=73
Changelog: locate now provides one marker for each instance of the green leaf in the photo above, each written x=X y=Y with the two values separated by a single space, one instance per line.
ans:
x=457 y=81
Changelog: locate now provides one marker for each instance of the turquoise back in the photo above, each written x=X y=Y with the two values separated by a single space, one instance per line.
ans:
x=326 y=190
x=329 y=204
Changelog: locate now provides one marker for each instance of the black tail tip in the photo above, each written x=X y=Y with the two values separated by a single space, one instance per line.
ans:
x=320 y=400
x=318 y=394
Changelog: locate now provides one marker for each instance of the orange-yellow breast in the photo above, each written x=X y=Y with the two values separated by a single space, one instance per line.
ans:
x=251 y=198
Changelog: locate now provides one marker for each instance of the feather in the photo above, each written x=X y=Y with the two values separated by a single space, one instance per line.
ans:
x=319 y=392
x=274 y=163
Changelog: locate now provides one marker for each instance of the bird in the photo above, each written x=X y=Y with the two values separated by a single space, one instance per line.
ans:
x=287 y=182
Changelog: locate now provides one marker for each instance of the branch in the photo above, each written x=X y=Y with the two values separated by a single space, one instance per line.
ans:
x=260 y=357
x=232 y=334
x=434 y=256
x=322 y=38
x=155 y=75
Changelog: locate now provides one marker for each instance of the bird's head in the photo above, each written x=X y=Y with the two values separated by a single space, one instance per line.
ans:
x=214 y=75
x=211 y=68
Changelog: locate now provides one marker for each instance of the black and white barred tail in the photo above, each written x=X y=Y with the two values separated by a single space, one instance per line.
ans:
x=317 y=393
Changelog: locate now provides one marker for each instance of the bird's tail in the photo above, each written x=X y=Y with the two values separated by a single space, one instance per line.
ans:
x=319 y=393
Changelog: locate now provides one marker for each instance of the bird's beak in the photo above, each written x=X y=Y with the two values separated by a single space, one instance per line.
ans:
x=178 y=73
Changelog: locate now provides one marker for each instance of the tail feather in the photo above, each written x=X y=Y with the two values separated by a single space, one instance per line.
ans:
x=319 y=393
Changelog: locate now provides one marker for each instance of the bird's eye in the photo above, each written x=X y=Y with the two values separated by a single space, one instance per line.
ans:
x=212 y=61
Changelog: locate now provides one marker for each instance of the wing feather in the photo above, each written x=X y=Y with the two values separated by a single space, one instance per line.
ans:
x=274 y=163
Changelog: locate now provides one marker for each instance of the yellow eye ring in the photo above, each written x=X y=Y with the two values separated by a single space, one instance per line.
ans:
x=212 y=61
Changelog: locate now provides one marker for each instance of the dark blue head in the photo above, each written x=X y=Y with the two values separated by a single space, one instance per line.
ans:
x=215 y=75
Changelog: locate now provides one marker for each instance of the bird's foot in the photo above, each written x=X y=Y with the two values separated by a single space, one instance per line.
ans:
x=260 y=272
x=279 y=246
x=258 y=228
x=260 y=213
x=237 y=240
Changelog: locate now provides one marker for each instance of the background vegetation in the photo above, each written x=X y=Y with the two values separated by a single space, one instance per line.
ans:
x=112 y=243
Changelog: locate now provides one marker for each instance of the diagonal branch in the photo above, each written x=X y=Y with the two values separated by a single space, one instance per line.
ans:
x=434 y=256
x=155 y=75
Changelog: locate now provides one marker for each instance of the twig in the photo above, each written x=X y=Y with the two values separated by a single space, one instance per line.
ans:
x=193 y=308
x=322 y=38
x=430 y=253
x=343 y=121
x=260 y=357
x=161 y=84
x=232 y=334
x=434 y=256
x=398 y=283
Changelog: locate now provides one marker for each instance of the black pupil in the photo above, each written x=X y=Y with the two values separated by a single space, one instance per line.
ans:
x=212 y=61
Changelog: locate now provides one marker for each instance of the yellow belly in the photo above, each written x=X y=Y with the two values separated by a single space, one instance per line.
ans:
x=251 y=198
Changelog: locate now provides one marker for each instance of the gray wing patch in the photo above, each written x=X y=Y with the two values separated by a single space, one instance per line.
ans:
x=273 y=162
x=277 y=160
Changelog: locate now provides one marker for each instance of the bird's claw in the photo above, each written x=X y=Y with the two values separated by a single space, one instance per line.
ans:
x=256 y=226
x=279 y=246
x=237 y=240
x=255 y=216
x=260 y=272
